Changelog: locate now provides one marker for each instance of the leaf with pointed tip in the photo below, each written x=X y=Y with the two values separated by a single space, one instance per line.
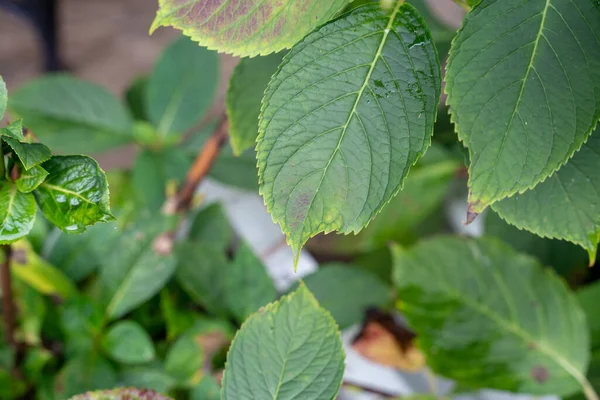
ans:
x=127 y=342
x=30 y=154
x=246 y=28
x=30 y=180
x=71 y=115
x=17 y=213
x=290 y=349
x=350 y=110
x=523 y=86
x=246 y=87
x=75 y=193
x=495 y=319
x=566 y=205
x=13 y=130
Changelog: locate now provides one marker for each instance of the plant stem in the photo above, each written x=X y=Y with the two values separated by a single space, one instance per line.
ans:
x=182 y=200
x=8 y=306
x=589 y=391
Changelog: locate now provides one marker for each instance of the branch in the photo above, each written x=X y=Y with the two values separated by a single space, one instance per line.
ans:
x=182 y=200
x=8 y=306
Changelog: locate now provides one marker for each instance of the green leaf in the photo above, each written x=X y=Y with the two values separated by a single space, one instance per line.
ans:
x=137 y=268
x=75 y=194
x=32 y=311
x=207 y=389
x=237 y=171
x=246 y=29
x=30 y=154
x=128 y=343
x=495 y=319
x=82 y=322
x=17 y=213
x=336 y=142
x=525 y=94
x=32 y=269
x=290 y=349
x=35 y=361
x=212 y=226
x=565 y=206
x=83 y=373
x=30 y=180
x=13 y=130
x=122 y=394
x=177 y=318
x=3 y=97
x=202 y=273
x=248 y=286
x=72 y=116
x=333 y=284
x=185 y=360
x=181 y=87
x=589 y=298
x=246 y=87
x=135 y=96
x=148 y=378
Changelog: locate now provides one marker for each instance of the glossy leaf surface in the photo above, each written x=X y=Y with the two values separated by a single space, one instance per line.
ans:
x=13 y=130
x=31 y=179
x=523 y=85
x=17 y=213
x=30 y=154
x=349 y=111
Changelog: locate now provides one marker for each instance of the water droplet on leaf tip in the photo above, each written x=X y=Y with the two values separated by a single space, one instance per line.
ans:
x=72 y=228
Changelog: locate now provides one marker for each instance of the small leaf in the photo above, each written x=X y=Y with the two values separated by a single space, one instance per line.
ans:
x=75 y=194
x=181 y=87
x=72 y=116
x=336 y=142
x=290 y=349
x=30 y=180
x=564 y=206
x=495 y=319
x=202 y=272
x=30 y=154
x=332 y=284
x=525 y=95
x=135 y=96
x=248 y=286
x=13 y=130
x=137 y=268
x=128 y=343
x=122 y=394
x=246 y=87
x=17 y=213
x=85 y=372
x=244 y=28
x=30 y=268
x=212 y=226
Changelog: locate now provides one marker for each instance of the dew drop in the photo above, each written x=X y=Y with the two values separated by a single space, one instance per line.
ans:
x=72 y=227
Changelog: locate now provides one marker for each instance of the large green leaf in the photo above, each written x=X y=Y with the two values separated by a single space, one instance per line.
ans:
x=290 y=349
x=487 y=316
x=246 y=87
x=243 y=27
x=70 y=115
x=523 y=86
x=127 y=342
x=29 y=180
x=247 y=284
x=30 y=154
x=181 y=87
x=349 y=111
x=347 y=292
x=564 y=206
x=17 y=213
x=202 y=274
x=137 y=268
x=75 y=193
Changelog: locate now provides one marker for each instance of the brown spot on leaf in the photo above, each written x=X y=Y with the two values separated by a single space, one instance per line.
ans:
x=163 y=244
x=540 y=374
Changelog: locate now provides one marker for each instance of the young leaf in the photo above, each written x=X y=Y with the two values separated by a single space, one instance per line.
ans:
x=17 y=213
x=495 y=319
x=72 y=116
x=13 y=130
x=523 y=86
x=75 y=194
x=30 y=154
x=137 y=268
x=128 y=343
x=246 y=87
x=245 y=28
x=30 y=180
x=332 y=284
x=349 y=111
x=248 y=286
x=290 y=349
x=564 y=206
x=202 y=272
x=212 y=226
x=181 y=87
x=122 y=394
